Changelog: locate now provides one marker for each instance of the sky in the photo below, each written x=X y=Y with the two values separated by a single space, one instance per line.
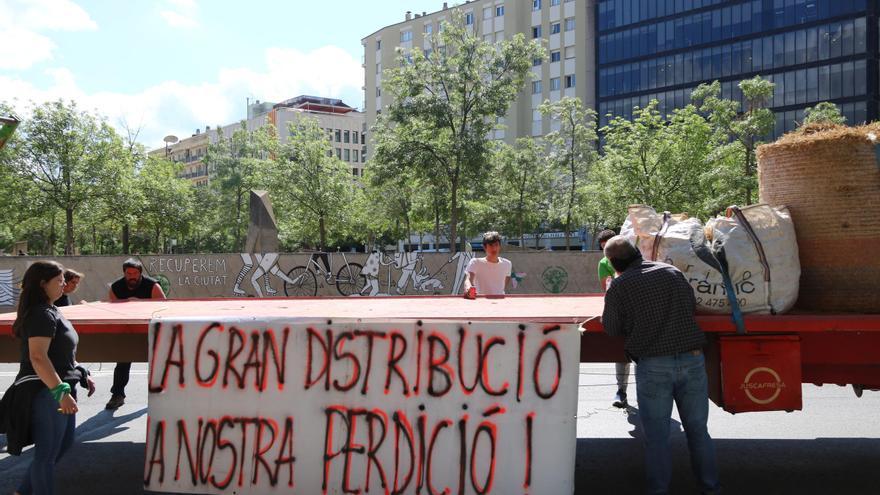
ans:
x=172 y=66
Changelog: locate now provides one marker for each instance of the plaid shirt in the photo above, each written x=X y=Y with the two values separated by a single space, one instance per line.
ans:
x=652 y=306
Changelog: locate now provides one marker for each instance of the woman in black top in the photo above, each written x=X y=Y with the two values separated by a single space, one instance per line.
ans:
x=48 y=357
x=71 y=283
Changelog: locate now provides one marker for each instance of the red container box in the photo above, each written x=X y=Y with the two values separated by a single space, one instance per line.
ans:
x=761 y=373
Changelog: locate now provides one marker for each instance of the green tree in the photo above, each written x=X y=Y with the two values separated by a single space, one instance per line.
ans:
x=523 y=181
x=823 y=113
x=572 y=152
x=167 y=205
x=746 y=128
x=240 y=163
x=677 y=165
x=311 y=185
x=444 y=105
x=72 y=157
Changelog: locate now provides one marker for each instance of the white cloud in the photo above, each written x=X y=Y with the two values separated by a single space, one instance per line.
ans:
x=22 y=23
x=181 y=14
x=175 y=108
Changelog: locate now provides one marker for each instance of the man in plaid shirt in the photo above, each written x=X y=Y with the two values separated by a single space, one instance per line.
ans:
x=651 y=305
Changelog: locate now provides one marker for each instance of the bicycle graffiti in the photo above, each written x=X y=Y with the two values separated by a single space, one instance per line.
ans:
x=303 y=280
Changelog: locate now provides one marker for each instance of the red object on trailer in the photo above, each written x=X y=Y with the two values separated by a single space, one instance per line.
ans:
x=760 y=373
x=799 y=347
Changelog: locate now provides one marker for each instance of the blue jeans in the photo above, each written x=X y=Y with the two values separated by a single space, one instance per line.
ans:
x=660 y=381
x=53 y=436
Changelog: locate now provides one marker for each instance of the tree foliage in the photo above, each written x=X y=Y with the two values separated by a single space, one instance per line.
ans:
x=572 y=154
x=824 y=112
x=70 y=156
x=312 y=185
x=744 y=128
x=445 y=104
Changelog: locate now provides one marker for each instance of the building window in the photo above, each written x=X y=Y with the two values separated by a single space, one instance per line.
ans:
x=469 y=19
x=569 y=24
x=355 y=155
x=363 y=154
x=555 y=28
x=487 y=13
x=536 y=87
x=554 y=2
x=555 y=56
x=499 y=10
x=536 y=32
x=354 y=137
x=569 y=52
x=537 y=61
x=338 y=134
x=378 y=91
x=346 y=137
x=338 y=152
x=378 y=44
x=363 y=138
x=536 y=4
x=429 y=28
x=554 y=84
x=569 y=81
x=405 y=36
x=347 y=154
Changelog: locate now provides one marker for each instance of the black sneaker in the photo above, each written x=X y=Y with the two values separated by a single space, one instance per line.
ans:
x=620 y=400
x=115 y=402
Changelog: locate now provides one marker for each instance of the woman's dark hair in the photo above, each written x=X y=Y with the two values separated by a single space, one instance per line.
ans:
x=32 y=291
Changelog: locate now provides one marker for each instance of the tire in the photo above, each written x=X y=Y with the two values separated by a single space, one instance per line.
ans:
x=305 y=282
x=349 y=279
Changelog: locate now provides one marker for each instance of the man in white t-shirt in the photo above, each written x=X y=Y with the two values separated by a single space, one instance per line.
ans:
x=488 y=276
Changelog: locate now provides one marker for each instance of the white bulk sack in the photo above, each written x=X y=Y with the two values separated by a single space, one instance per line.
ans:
x=758 y=243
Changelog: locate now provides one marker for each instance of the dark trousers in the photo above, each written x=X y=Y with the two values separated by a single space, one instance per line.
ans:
x=120 y=378
x=53 y=436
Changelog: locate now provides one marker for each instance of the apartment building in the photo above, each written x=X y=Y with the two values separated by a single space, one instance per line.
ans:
x=566 y=27
x=344 y=126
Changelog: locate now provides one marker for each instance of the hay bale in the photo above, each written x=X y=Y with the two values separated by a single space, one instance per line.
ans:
x=829 y=177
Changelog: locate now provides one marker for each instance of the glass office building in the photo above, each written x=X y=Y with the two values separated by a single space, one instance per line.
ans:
x=813 y=50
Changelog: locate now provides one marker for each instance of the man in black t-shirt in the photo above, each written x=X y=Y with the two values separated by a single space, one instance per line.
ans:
x=133 y=285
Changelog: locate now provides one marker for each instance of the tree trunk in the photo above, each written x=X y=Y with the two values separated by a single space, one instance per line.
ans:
x=520 y=207
x=238 y=209
x=408 y=231
x=748 y=174
x=68 y=234
x=95 y=240
x=323 y=232
x=453 y=219
x=436 y=225
x=126 y=236
x=50 y=247
x=570 y=207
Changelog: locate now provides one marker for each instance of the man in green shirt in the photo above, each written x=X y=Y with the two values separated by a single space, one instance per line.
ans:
x=606 y=275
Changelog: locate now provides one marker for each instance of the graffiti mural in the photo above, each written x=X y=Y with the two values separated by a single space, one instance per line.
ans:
x=267 y=265
x=8 y=291
x=305 y=280
x=273 y=274
x=555 y=279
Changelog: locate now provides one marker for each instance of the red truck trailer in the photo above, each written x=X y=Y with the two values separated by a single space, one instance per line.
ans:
x=760 y=370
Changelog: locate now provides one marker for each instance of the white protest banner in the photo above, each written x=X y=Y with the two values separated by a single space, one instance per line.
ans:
x=250 y=406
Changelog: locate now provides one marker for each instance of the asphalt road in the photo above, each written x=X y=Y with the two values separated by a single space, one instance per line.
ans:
x=832 y=446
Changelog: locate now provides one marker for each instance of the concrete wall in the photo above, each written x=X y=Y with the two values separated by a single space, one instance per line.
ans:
x=219 y=275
